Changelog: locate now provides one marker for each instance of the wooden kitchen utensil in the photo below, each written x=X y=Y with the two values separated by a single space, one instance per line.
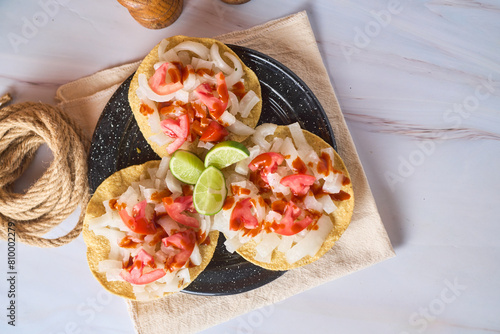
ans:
x=154 y=14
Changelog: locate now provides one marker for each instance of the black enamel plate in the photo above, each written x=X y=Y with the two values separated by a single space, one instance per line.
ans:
x=118 y=143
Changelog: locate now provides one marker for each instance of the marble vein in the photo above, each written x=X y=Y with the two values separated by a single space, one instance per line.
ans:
x=463 y=4
x=32 y=83
x=385 y=125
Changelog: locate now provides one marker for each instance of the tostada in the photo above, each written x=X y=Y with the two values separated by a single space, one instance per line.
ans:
x=288 y=202
x=191 y=92
x=144 y=238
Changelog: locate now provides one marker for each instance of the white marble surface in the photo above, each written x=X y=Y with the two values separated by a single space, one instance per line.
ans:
x=420 y=90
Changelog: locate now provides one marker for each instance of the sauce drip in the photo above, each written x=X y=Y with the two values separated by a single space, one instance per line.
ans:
x=228 y=203
x=299 y=166
x=157 y=196
x=206 y=241
x=238 y=191
x=325 y=165
x=158 y=236
x=146 y=110
x=113 y=204
x=346 y=181
x=340 y=196
x=127 y=242
x=256 y=179
x=279 y=206
x=203 y=71
x=238 y=89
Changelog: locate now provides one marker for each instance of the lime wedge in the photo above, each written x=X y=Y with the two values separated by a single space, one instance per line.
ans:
x=210 y=191
x=186 y=166
x=225 y=154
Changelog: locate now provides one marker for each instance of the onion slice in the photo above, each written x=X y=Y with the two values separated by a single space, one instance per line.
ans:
x=195 y=47
x=161 y=49
x=240 y=128
x=261 y=132
x=247 y=103
x=312 y=242
x=218 y=61
x=237 y=73
x=234 y=104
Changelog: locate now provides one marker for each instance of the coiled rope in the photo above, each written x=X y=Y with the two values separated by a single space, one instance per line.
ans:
x=24 y=127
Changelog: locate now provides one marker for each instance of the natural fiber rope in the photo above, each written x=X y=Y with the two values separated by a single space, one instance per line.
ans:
x=24 y=127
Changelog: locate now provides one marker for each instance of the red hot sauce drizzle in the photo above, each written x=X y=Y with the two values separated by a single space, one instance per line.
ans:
x=146 y=110
x=157 y=196
x=228 y=203
x=346 y=181
x=127 y=242
x=238 y=191
x=299 y=166
x=340 y=196
x=238 y=89
x=256 y=179
x=113 y=204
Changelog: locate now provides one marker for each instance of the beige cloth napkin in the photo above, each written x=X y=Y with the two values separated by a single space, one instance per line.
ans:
x=291 y=41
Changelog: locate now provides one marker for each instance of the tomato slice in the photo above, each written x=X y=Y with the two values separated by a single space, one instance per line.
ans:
x=242 y=216
x=214 y=132
x=138 y=223
x=158 y=81
x=288 y=224
x=146 y=258
x=182 y=242
x=136 y=274
x=181 y=204
x=299 y=184
x=176 y=128
x=266 y=163
x=135 y=277
x=216 y=104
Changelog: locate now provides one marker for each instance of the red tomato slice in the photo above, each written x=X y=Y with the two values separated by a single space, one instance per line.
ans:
x=184 y=243
x=242 y=216
x=266 y=163
x=288 y=225
x=145 y=258
x=158 y=81
x=214 y=132
x=138 y=223
x=299 y=184
x=216 y=104
x=175 y=208
x=176 y=128
x=136 y=275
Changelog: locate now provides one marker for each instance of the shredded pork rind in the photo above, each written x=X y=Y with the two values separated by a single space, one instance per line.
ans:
x=103 y=229
x=271 y=250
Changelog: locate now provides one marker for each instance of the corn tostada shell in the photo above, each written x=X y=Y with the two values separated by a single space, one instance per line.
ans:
x=98 y=247
x=341 y=217
x=146 y=67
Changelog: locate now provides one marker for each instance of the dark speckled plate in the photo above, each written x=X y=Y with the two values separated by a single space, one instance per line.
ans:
x=118 y=143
